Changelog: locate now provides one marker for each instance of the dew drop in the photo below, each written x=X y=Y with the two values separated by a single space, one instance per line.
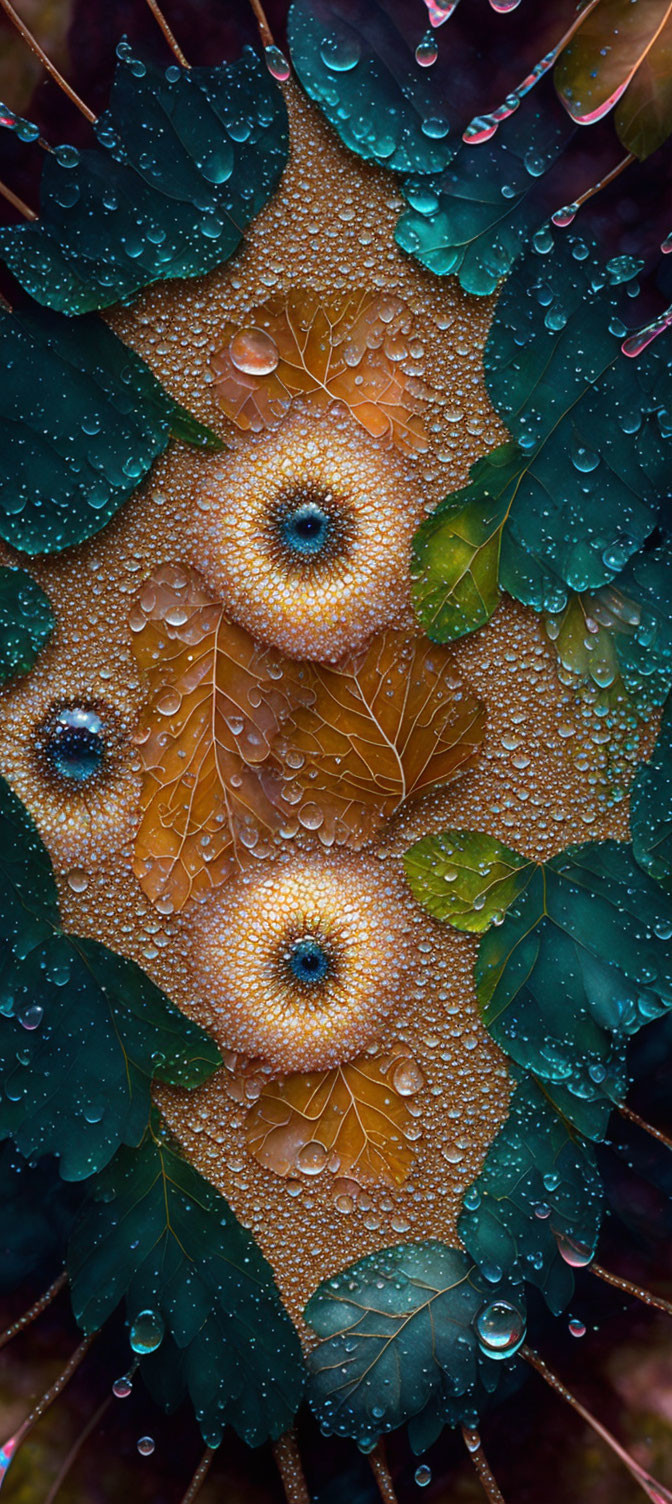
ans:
x=253 y=352
x=146 y=1446
x=423 y=1475
x=146 y=1332
x=500 y=1328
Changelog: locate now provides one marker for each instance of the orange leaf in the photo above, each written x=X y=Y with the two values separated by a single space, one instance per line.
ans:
x=214 y=707
x=348 y=351
x=604 y=55
x=383 y=726
x=351 y=1118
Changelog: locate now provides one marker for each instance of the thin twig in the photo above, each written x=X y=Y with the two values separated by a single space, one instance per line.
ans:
x=168 y=34
x=639 y=1291
x=16 y=202
x=484 y=1473
x=46 y=62
x=34 y=1311
x=382 y=1475
x=199 y=1476
x=288 y=1462
x=264 y=29
x=633 y=1117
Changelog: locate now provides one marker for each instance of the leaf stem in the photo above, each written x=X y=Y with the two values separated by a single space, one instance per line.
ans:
x=40 y=54
x=639 y=1291
x=168 y=33
x=633 y=1117
x=381 y=1473
x=655 y=1491
x=34 y=1311
x=200 y=1475
x=486 y=1477
x=16 y=202
x=288 y=1462
x=262 y=24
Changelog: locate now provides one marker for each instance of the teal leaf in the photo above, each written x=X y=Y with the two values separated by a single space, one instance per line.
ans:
x=581 y=961
x=399 y=1343
x=535 y=1210
x=38 y=1213
x=467 y=878
x=83 y=1032
x=26 y=622
x=644 y=652
x=475 y=218
x=188 y=158
x=82 y=420
x=155 y=1232
x=357 y=61
x=456 y=552
x=592 y=425
x=651 y=808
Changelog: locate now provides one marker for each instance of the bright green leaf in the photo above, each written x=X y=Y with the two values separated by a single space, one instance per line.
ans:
x=466 y=878
x=155 y=1232
x=26 y=622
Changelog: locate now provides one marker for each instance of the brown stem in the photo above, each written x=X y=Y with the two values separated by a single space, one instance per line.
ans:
x=633 y=1117
x=199 y=1476
x=50 y=1395
x=76 y=1449
x=486 y=1477
x=46 y=62
x=264 y=29
x=34 y=1311
x=655 y=1491
x=168 y=34
x=381 y=1473
x=288 y=1462
x=640 y=1293
x=16 y=202
x=608 y=178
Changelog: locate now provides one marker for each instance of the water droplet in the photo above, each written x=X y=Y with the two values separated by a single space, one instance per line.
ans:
x=500 y=1328
x=146 y=1446
x=423 y=1475
x=254 y=352
x=146 y=1332
x=340 y=54
x=311 y=1158
x=122 y=1387
x=407 y=1077
x=578 y=1255
x=277 y=64
x=427 y=51
x=576 y=1327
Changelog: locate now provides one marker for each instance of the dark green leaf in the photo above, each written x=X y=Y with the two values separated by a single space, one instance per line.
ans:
x=456 y=552
x=536 y=1208
x=466 y=878
x=82 y=1031
x=38 y=1211
x=26 y=622
x=651 y=808
x=580 y=962
x=398 y=1343
x=155 y=1232
x=82 y=420
x=190 y=156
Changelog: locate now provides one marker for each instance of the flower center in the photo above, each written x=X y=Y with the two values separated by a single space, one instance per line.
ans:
x=309 y=961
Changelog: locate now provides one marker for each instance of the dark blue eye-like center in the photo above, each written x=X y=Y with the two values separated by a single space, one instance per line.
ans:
x=306 y=531
x=75 y=744
x=309 y=960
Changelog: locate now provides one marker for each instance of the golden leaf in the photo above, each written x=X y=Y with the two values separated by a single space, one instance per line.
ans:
x=214 y=705
x=384 y=726
x=348 y=351
x=352 y=1119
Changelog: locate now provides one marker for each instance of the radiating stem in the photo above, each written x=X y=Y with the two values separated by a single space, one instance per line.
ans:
x=288 y=1462
x=47 y=1399
x=487 y=1479
x=264 y=29
x=16 y=202
x=76 y=1449
x=633 y=1117
x=382 y=1475
x=46 y=62
x=168 y=34
x=34 y=1311
x=640 y=1293
x=199 y=1476
x=608 y=178
x=654 y=1490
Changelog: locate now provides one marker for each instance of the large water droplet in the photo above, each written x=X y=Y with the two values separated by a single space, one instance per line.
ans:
x=146 y=1332
x=500 y=1328
x=254 y=352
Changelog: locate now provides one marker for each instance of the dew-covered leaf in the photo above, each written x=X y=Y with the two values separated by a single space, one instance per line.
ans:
x=651 y=808
x=38 y=1211
x=535 y=1210
x=346 y=351
x=615 y=40
x=356 y=59
x=188 y=158
x=26 y=622
x=155 y=1232
x=456 y=552
x=474 y=219
x=82 y=1031
x=581 y=961
x=82 y=420
x=384 y=726
x=398 y=1340
x=466 y=878
x=215 y=699
x=643 y=116
x=592 y=425
x=353 y=1115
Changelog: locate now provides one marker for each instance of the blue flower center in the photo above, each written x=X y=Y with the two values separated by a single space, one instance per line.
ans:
x=306 y=530
x=75 y=747
x=309 y=961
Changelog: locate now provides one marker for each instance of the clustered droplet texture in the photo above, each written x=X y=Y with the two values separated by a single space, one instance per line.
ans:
x=317 y=603
x=346 y=913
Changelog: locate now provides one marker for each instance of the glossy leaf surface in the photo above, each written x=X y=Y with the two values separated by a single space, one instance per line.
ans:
x=26 y=622
x=466 y=878
x=189 y=157
x=615 y=41
x=82 y=419
x=153 y=1231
